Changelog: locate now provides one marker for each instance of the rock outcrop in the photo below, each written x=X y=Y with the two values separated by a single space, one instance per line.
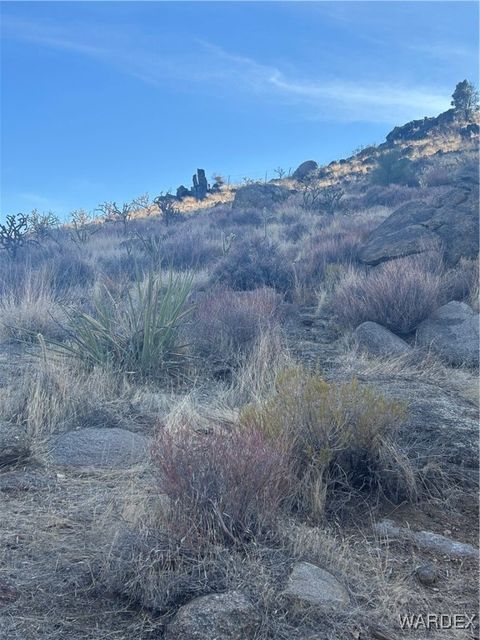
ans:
x=304 y=170
x=452 y=332
x=259 y=196
x=451 y=221
x=200 y=184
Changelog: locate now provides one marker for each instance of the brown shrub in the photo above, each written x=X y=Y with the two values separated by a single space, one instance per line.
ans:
x=253 y=264
x=224 y=487
x=30 y=308
x=398 y=294
x=226 y=324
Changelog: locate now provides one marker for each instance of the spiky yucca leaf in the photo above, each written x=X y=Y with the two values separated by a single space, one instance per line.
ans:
x=139 y=335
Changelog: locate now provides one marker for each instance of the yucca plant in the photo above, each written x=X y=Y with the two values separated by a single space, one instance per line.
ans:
x=138 y=335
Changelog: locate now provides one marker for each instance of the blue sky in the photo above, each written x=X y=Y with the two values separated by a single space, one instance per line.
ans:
x=108 y=100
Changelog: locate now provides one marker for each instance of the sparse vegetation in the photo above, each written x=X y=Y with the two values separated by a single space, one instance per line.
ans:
x=224 y=343
x=230 y=498
x=394 y=168
x=253 y=264
x=339 y=438
x=226 y=325
x=167 y=206
x=398 y=294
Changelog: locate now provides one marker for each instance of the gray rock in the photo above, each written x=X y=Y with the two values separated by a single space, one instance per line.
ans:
x=452 y=332
x=378 y=341
x=200 y=184
x=103 y=448
x=183 y=192
x=24 y=481
x=428 y=540
x=451 y=221
x=307 y=167
x=217 y=616
x=441 y=426
x=427 y=574
x=311 y=584
x=260 y=196
x=14 y=445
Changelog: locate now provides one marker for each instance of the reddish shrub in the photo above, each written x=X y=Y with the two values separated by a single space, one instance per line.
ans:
x=224 y=487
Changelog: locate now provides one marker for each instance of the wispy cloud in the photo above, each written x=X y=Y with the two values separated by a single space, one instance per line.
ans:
x=442 y=50
x=342 y=99
x=323 y=98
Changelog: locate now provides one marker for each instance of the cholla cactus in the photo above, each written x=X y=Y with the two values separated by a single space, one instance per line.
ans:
x=14 y=233
x=83 y=226
x=40 y=225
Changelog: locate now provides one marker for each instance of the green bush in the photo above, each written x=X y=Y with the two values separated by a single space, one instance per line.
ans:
x=339 y=437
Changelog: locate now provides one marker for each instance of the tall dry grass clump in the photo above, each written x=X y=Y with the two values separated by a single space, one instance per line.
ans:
x=226 y=324
x=398 y=294
x=29 y=307
x=340 y=439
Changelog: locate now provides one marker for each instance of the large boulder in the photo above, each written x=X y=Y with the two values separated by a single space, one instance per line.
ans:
x=225 y=616
x=378 y=341
x=260 y=196
x=312 y=585
x=452 y=221
x=452 y=333
x=102 y=448
x=14 y=445
x=304 y=170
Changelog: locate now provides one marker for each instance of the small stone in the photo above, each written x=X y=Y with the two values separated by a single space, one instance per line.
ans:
x=427 y=574
x=217 y=616
x=311 y=584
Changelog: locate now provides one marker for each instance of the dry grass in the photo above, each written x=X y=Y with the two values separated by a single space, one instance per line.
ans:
x=107 y=555
x=398 y=294
x=29 y=309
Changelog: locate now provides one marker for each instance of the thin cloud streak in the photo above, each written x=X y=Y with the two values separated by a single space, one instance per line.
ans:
x=348 y=100
x=342 y=100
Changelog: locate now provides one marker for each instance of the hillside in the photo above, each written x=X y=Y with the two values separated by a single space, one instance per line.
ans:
x=428 y=141
x=257 y=421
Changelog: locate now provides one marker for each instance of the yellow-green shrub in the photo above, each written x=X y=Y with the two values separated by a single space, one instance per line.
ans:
x=339 y=437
